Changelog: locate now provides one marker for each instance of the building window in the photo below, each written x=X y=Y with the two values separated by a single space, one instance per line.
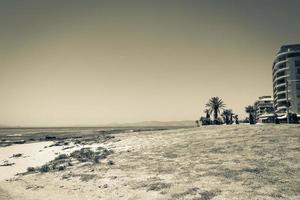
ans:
x=281 y=74
x=281 y=96
x=280 y=81
x=282 y=65
x=280 y=89
x=293 y=55
x=281 y=58
x=297 y=62
x=282 y=103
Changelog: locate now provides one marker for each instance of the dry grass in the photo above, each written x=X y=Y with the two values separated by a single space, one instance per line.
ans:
x=249 y=161
x=206 y=163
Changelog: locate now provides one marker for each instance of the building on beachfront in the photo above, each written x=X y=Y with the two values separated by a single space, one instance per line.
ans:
x=286 y=81
x=264 y=108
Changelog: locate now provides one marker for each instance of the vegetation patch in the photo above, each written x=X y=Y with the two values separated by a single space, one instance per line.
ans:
x=87 y=177
x=255 y=170
x=6 y=163
x=44 y=168
x=199 y=194
x=170 y=155
x=207 y=195
x=191 y=191
x=86 y=154
x=62 y=161
x=30 y=169
x=61 y=157
x=217 y=150
x=225 y=173
x=18 y=155
x=157 y=186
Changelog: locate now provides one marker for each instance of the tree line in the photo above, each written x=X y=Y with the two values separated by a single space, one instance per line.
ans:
x=216 y=113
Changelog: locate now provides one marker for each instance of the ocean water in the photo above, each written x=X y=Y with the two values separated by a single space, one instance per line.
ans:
x=17 y=132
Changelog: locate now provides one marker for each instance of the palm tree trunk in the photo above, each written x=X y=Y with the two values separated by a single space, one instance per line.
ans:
x=216 y=116
x=251 y=119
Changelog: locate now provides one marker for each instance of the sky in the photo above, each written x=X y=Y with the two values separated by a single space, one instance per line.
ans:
x=89 y=63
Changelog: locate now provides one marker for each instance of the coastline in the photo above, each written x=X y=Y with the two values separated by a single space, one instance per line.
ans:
x=213 y=162
x=13 y=136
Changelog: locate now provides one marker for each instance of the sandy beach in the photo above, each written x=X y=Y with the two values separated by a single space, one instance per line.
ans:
x=213 y=162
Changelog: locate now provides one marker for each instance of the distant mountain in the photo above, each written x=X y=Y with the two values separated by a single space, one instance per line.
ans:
x=185 y=123
x=3 y=126
x=8 y=126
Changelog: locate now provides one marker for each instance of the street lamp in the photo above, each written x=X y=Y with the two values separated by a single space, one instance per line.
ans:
x=288 y=103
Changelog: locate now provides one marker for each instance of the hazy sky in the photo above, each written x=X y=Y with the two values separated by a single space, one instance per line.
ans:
x=96 y=62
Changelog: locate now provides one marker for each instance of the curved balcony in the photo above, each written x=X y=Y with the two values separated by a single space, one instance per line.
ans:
x=280 y=85
x=284 y=59
x=281 y=77
x=281 y=109
x=282 y=99
x=282 y=92
x=280 y=70
x=286 y=53
x=278 y=63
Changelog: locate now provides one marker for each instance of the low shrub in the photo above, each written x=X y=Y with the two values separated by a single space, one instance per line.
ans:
x=44 y=168
x=110 y=162
x=86 y=154
x=30 y=169
x=61 y=167
x=61 y=157
x=17 y=155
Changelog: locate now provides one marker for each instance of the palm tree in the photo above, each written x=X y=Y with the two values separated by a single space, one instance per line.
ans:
x=231 y=118
x=236 y=118
x=206 y=120
x=227 y=113
x=250 y=110
x=223 y=117
x=207 y=111
x=215 y=104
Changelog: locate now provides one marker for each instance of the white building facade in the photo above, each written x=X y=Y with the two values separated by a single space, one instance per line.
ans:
x=264 y=108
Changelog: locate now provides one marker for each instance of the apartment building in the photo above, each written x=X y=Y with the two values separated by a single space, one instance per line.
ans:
x=286 y=80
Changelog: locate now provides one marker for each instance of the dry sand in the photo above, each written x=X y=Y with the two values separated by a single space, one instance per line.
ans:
x=213 y=162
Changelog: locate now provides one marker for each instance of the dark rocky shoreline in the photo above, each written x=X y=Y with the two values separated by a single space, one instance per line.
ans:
x=7 y=140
